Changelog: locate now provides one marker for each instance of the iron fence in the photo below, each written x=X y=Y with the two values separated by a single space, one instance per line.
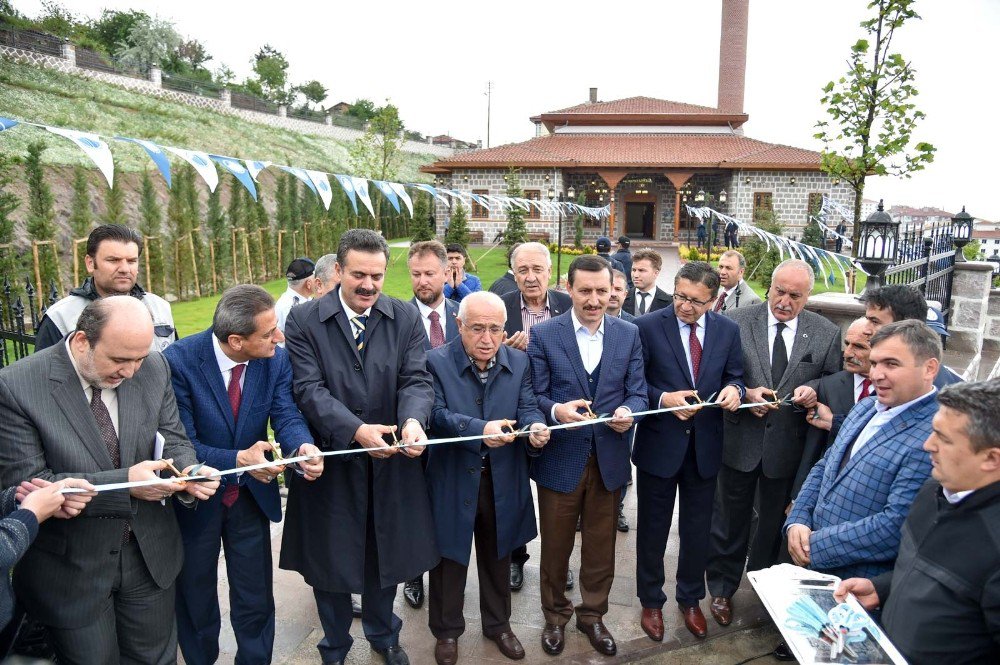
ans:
x=925 y=258
x=30 y=40
x=191 y=86
x=242 y=100
x=17 y=319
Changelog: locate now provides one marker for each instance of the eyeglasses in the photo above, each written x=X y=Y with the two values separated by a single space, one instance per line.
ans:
x=679 y=299
x=479 y=329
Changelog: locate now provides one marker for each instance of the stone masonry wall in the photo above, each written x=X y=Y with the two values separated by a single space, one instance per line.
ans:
x=791 y=202
x=992 y=337
x=968 y=321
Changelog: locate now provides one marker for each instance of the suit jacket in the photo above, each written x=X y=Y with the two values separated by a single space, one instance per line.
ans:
x=462 y=407
x=741 y=296
x=337 y=391
x=837 y=392
x=450 y=324
x=559 y=302
x=777 y=439
x=504 y=284
x=558 y=375
x=624 y=257
x=662 y=441
x=856 y=513
x=204 y=409
x=625 y=316
x=660 y=300
x=48 y=431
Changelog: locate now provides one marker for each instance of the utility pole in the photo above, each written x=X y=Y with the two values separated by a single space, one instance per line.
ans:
x=489 y=99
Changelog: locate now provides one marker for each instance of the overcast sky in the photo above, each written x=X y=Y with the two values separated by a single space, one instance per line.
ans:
x=433 y=60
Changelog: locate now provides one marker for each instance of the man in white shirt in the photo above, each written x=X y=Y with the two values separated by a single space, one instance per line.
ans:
x=735 y=292
x=300 y=289
x=646 y=296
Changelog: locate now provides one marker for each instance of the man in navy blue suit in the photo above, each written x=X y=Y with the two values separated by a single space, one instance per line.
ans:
x=583 y=360
x=230 y=381
x=688 y=351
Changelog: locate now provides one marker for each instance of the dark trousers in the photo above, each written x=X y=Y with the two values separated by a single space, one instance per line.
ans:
x=446 y=598
x=656 y=509
x=135 y=626
x=558 y=513
x=730 y=539
x=244 y=531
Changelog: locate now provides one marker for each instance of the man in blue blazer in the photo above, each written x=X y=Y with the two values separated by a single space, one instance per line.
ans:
x=480 y=488
x=230 y=381
x=847 y=517
x=583 y=360
x=688 y=351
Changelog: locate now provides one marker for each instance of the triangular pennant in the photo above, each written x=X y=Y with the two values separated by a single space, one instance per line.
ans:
x=430 y=190
x=322 y=185
x=388 y=193
x=93 y=147
x=7 y=123
x=155 y=153
x=361 y=187
x=301 y=175
x=201 y=162
x=348 y=185
x=403 y=196
x=255 y=167
x=237 y=169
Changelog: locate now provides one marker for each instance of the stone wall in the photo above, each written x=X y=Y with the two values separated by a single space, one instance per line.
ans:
x=992 y=336
x=791 y=202
x=968 y=321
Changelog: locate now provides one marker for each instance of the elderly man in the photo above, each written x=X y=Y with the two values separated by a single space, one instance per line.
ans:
x=231 y=382
x=941 y=601
x=359 y=376
x=583 y=362
x=299 y=275
x=325 y=275
x=646 y=296
x=735 y=292
x=480 y=387
x=93 y=407
x=784 y=346
x=112 y=263
x=459 y=283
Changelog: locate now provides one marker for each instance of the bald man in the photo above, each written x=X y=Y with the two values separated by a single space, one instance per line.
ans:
x=91 y=407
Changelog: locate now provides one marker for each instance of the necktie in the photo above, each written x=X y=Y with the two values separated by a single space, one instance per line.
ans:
x=642 y=302
x=720 y=301
x=359 y=331
x=232 y=491
x=866 y=387
x=110 y=439
x=437 y=334
x=779 y=357
x=295 y=301
x=695 y=350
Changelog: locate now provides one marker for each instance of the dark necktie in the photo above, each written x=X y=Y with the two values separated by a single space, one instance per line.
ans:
x=295 y=301
x=866 y=387
x=720 y=301
x=779 y=357
x=359 y=332
x=437 y=334
x=232 y=491
x=110 y=439
x=695 y=350
x=642 y=302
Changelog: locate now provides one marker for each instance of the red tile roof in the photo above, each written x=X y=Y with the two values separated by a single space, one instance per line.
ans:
x=640 y=105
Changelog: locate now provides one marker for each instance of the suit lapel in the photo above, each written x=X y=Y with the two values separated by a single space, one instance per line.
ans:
x=890 y=431
x=451 y=327
x=759 y=332
x=845 y=440
x=672 y=331
x=213 y=379
x=568 y=336
x=69 y=395
x=252 y=385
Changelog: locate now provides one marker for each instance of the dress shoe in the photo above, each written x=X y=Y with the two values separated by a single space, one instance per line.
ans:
x=600 y=638
x=413 y=591
x=553 y=639
x=446 y=651
x=509 y=645
x=722 y=609
x=516 y=576
x=570 y=580
x=694 y=620
x=652 y=623
x=622 y=522
x=782 y=652
x=355 y=607
x=394 y=655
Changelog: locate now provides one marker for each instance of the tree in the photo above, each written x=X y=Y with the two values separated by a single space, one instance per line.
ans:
x=215 y=219
x=458 y=229
x=80 y=216
x=871 y=109
x=377 y=154
x=8 y=204
x=761 y=258
x=421 y=227
x=151 y=41
x=271 y=68
x=150 y=217
x=113 y=30
x=224 y=75
x=57 y=20
x=41 y=215
x=812 y=235
x=115 y=204
x=516 y=230
x=363 y=109
x=314 y=92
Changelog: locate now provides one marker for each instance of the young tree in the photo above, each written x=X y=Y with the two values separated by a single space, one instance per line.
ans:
x=271 y=69
x=363 y=109
x=378 y=153
x=41 y=215
x=458 y=229
x=150 y=218
x=215 y=220
x=152 y=41
x=114 y=203
x=421 y=226
x=80 y=216
x=871 y=108
x=581 y=199
x=516 y=230
x=9 y=202
x=314 y=92
x=113 y=30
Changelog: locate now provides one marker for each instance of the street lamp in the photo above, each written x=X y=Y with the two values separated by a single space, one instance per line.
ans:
x=961 y=233
x=876 y=251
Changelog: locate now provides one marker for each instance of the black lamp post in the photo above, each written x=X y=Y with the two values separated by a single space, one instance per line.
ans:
x=961 y=233
x=571 y=194
x=995 y=260
x=878 y=239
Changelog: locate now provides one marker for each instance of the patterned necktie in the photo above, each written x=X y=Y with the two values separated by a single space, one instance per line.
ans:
x=232 y=491
x=779 y=357
x=110 y=439
x=437 y=334
x=720 y=301
x=295 y=301
x=866 y=387
x=642 y=302
x=695 y=350
x=359 y=331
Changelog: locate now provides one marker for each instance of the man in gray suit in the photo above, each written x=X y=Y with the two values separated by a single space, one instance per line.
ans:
x=784 y=346
x=90 y=407
x=735 y=292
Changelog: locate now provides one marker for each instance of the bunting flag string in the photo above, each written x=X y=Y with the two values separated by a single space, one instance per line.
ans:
x=361 y=189
x=388 y=193
x=321 y=185
x=255 y=167
x=201 y=162
x=348 y=184
x=239 y=172
x=155 y=153
x=93 y=147
x=403 y=196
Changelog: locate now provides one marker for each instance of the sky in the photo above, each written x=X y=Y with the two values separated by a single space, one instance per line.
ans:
x=433 y=61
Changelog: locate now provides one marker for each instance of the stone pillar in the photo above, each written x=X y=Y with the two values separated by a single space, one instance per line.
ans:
x=992 y=341
x=282 y=111
x=156 y=76
x=968 y=319
x=226 y=96
x=328 y=119
x=69 y=52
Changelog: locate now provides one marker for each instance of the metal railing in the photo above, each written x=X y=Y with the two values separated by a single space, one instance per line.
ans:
x=30 y=40
x=241 y=100
x=925 y=258
x=17 y=319
x=191 y=86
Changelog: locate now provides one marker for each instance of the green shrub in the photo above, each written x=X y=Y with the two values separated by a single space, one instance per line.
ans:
x=761 y=261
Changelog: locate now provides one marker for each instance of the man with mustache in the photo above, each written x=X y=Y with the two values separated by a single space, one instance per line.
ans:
x=735 y=291
x=618 y=290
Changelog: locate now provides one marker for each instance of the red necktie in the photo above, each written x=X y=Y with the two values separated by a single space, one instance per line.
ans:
x=720 y=301
x=866 y=387
x=695 y=350
x=437 y=334
x=232 y=491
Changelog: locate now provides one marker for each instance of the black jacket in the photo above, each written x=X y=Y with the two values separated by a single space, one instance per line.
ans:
x=660 y=300
x=48 y=333
x=558 y=303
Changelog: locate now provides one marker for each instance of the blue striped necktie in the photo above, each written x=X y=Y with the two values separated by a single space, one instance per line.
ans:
x=359 y=323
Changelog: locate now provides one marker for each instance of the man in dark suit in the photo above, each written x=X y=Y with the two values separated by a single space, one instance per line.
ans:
x=687 y=351
x=603 y=246
x=91 y=407
x=359 y=375
x=480 y=488
x=618 y=291
x=784 y=346
x=231 y=381
x=506 y=283
x=428 y=265
x=624 y=256
x=579 y=360
x=646 y=296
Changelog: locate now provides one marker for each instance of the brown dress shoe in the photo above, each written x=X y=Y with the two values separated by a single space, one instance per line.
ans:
x=446 y=651
x=553 y=639
x=509 y=645
x=722 y=609
x=652 y=623
x=600 y=638
x=694 y=620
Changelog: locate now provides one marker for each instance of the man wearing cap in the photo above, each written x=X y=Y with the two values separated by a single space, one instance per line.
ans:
x=604 y=250
x=624 y=256
x=300 y=288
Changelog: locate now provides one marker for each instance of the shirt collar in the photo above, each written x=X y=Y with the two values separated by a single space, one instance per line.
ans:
x=425 y=311
x=292 y=294
x=524 y=306
x=577 y=326
x=858 y=380
x=225 y=362
x=84 y=383
x=955 y=497
x=681 y=325
x=347 y=310
x=792 y=325
x=896 y=410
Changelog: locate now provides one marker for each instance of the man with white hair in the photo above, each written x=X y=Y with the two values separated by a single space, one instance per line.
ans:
x=300 y=289
x=325 y=277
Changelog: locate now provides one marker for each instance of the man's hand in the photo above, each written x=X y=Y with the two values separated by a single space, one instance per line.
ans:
x=518 y=340
x=820 y=417
x=370 y=436
x=147 y=471
x=678 y=398
x=495 y=434
x=862 y=589
x=804 y=396
x=622 y=420
x=412 y=433
x=757 y=395
x=201 y=490
x=567 y=412
x=729 y=398
x=798 y=543
x=255 y=455
x=539 y=435
x=311 y=468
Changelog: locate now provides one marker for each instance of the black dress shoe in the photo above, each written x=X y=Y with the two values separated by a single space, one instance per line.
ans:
x=394 y=655
x=413 y=591
x=622 y=522
x=553 y=639
x=782 y=652
x=600 y=638
x=570 y=581
x=355 y=607
x=516 y=576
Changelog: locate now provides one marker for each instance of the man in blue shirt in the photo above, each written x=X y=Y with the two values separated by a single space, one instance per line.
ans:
x=460 y=283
